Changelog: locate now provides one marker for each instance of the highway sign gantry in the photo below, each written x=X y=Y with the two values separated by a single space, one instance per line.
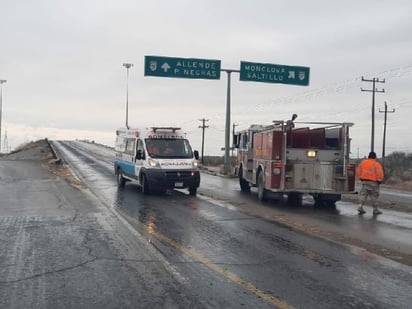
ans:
x=274 y=73
x=182 y=67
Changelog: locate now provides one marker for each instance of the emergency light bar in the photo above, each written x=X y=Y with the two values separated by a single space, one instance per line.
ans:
x=173 y=129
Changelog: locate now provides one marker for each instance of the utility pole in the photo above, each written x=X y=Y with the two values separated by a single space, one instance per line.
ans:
x=384 y=131
x=203 y=127
x=2 y=81
x=373 y=90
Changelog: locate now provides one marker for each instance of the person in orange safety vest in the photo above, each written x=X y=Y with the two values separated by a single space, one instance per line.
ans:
x=370 y=172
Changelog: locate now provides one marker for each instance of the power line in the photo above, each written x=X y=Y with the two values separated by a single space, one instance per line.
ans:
x=332 y=88
x=373 y=90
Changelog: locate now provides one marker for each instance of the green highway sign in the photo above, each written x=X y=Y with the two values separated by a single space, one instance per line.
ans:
x=181 y=67
x=274 y=73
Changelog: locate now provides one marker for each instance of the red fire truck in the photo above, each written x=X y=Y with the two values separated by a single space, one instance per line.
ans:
x=295 y=158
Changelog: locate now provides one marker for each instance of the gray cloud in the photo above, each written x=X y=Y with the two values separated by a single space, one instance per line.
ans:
x=63 y=63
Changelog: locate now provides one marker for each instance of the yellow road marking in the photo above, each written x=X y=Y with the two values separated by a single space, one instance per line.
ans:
x=216 y=268
x=227 y=274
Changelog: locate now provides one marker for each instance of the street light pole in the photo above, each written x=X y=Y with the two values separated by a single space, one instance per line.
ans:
x=127 y=66
x=2 y=81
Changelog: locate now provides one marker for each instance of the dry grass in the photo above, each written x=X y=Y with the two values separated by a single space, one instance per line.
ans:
x=63 y=171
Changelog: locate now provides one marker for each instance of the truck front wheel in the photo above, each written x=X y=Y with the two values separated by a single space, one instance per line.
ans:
x=244 y=184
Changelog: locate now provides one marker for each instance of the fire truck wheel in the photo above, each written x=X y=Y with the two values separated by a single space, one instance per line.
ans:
x=261 y=187
x=327 y=201
x=244 y=184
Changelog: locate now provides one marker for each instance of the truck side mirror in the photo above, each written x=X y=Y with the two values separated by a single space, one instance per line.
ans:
x=196 y=153
x=140 y=155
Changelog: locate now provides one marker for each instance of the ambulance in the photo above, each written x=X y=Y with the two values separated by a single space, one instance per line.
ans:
x=157 y=159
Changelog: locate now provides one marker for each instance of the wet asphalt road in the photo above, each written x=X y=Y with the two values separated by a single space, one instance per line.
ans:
x=61 y=248
x=175 y=250
x=391 y=231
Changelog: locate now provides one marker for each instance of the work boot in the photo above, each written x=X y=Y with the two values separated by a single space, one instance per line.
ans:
x=377 y=211
x=361 y=211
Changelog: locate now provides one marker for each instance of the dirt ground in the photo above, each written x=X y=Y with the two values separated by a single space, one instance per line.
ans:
x=41 y=151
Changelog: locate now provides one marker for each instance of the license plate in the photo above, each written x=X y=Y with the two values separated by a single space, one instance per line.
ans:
x=178 y=184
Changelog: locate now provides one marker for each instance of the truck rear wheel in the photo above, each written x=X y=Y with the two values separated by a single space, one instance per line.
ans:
x=262 y=194
x=295 y=199
x=326 y=200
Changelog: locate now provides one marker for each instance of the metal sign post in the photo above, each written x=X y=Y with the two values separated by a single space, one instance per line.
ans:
x=226 y=166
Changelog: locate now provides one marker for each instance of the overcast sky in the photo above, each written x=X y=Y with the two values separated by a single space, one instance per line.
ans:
x=63 y=64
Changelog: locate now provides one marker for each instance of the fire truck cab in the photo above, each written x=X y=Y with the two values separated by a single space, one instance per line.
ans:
x=296 y=158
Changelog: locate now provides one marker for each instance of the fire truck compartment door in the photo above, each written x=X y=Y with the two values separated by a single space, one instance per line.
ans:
x=315 y=175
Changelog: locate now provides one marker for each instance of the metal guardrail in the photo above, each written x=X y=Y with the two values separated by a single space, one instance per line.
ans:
x=57 y=158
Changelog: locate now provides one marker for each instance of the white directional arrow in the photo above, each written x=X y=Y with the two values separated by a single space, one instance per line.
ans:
x=165 y=66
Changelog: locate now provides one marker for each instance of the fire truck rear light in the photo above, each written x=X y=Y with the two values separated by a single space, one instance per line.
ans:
x=311 y=153
x=277 y=168
x=351 y=166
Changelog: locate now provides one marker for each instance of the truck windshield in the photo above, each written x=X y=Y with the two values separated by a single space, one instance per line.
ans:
x=169 y=148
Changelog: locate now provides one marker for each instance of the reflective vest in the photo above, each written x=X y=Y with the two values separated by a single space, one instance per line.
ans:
x=370 y=169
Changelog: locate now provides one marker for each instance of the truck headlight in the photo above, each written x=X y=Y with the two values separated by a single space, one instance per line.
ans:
x=153 y=163
x=311 y=153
